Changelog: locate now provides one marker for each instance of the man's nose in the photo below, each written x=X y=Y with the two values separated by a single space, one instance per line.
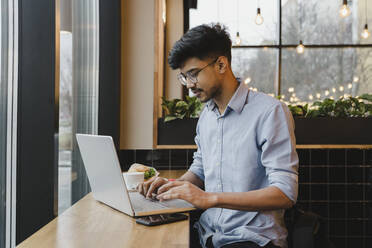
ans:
x=190 y=85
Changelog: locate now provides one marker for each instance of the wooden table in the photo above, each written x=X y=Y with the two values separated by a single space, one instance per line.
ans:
x=91 y=224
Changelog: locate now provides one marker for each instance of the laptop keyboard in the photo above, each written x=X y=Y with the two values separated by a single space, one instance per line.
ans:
x=142 y=204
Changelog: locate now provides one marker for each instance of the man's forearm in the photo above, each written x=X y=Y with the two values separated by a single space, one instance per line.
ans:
x=269 y=198
x=192 y=178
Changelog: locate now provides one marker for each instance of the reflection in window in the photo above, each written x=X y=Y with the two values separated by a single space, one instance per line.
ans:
x=78 y=94
x=239 y=16
x=256 y=67
x=319 y=22
x=326 y=73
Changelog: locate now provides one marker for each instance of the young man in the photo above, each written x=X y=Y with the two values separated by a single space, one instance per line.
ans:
x=244 y=171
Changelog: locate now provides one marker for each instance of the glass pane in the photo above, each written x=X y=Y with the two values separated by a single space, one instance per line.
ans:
x=78 y=94
x=256 y=67
x=239 y=16
x=319 y=22
x=326 y=73
x=3 y=114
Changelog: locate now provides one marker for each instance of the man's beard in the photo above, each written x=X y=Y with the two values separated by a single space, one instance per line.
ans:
x=214 y=92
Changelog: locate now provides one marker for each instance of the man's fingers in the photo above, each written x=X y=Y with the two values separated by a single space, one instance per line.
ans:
x=169 y=185
x=173 y=193
x=155 y=185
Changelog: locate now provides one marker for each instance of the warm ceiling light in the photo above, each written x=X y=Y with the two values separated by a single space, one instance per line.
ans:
x=365 y=33
x=300 y=48
x=345 y=10
x=237 y=40
x=259 y=19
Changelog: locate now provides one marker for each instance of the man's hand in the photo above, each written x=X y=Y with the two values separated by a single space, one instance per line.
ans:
x=149 y=187
x=187 y=191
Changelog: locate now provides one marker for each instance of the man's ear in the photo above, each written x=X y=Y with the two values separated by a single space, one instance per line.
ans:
x=222 y=64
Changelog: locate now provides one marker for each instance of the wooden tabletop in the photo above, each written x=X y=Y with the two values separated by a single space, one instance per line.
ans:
x=89 y=223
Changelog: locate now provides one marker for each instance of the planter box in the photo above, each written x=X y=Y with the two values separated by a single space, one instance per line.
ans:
x=328 y=130
x=177 y=132
x=322 y=130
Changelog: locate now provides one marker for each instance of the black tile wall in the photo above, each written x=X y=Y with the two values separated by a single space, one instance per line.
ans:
x=334 y=183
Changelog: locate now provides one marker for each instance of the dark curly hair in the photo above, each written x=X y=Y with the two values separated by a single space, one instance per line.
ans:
x=202 y=42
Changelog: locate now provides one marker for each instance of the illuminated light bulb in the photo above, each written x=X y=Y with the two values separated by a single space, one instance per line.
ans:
x=333 y=90
x=311 y=97
x=247 y=80
x=350 y=86
x=326 y=93
x=254 y=89
x=291 y=99
x=294 y=94
x=283 y=96
x=345 y=10
x=291 y=89
x=259 y=19
x=237 y=40
x=317 y=95
x=300 y=48
x=341 y=88
x=365 y=33
x=356 y=79
x=346 y=95
x=331 y=97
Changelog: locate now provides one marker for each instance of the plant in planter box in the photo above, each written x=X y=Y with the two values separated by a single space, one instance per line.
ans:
x=343 y=121
x=360 y=106
x=179 y=125
x=179 y=109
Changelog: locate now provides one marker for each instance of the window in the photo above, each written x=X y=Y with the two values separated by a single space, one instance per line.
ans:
x=8 y=122
x=79 y=50
x=336 y=59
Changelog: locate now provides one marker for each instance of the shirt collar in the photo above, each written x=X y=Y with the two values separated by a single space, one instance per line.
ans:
x=237 y=101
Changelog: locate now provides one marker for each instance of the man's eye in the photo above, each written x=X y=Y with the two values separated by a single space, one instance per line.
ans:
x=192 y=75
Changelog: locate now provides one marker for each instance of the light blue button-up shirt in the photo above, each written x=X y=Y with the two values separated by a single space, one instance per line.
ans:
x=250 y=146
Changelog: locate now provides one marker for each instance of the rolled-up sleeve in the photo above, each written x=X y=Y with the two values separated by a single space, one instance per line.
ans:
x=278 y=143
x=197 y=164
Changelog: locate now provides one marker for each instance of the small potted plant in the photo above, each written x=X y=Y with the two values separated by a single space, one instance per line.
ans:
x=178 y=127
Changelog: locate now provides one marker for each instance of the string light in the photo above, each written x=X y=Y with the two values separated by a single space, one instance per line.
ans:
x=334 y=90
x=365 y=33
x=318 y=95
x=237 y=39
x=356 y=79
x=247 y=80
x=259 y=19
x=326 y=93
x=345 y=10
x=300 y=48
x=341 y=88
x=291 y=89
x=349 y=86
x=311 y=97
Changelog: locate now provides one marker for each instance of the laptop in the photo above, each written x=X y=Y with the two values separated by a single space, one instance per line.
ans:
x=107 y=181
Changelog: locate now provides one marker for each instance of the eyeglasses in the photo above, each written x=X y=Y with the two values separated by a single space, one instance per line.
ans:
x=192 y=77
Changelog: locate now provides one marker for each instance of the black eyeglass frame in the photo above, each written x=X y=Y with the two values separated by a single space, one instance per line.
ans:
x=192 y=77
